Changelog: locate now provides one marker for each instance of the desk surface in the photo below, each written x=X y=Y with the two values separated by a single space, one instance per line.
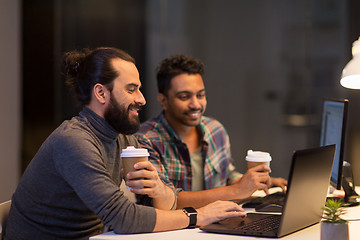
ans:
x=309 y=233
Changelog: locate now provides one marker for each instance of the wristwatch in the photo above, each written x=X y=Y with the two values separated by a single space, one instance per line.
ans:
x=192 y=214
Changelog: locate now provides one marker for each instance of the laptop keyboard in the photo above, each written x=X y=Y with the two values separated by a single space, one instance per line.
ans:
x=267 y=224
x=274 y=198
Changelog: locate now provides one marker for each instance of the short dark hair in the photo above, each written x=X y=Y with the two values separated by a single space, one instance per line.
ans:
x=176 y=65
x=85 y=68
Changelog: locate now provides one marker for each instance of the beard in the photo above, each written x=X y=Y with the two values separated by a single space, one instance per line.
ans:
x=119 y=119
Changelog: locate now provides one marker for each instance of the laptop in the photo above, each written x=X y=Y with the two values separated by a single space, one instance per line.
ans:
x=308 y=184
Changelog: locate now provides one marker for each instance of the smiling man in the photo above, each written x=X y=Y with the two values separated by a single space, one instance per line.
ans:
x=191 y=151
x=71 y=188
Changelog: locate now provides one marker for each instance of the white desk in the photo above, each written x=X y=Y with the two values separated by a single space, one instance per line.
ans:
x=309 y=233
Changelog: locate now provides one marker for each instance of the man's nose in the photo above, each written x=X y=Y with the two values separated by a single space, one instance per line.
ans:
x=195 y=103
x=140 y=99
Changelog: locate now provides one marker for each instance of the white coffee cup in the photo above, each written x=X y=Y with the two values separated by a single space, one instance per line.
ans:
x=130 y=156
x=255 y=158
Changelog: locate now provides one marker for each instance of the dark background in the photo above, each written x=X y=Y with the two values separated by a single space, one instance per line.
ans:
x=266 y=63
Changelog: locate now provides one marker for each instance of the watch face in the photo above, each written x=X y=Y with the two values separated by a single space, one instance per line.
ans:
x=190 y=210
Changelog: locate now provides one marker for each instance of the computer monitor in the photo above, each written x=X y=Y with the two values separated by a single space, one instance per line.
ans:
x=333 y=127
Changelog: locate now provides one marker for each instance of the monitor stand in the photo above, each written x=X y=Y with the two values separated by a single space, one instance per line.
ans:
x=351 y=197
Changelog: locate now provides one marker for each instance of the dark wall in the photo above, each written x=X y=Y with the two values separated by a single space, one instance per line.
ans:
x=38 y=72
x=53 y=27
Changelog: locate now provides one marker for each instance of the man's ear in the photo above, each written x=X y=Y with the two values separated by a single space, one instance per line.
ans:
x=162 y=99
x=100 y=93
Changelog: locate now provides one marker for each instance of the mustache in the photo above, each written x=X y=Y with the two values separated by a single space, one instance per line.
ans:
x=191 y=110
x=135 y=106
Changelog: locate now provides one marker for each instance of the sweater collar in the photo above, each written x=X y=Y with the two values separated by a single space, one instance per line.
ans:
x=99 y=125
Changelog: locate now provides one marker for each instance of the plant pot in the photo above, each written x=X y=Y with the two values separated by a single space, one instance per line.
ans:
x=334 y=231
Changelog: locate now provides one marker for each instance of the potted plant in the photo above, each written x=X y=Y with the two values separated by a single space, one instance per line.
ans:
x=333 y=227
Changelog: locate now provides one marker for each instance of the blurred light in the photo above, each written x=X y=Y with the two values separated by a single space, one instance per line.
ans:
x=350 y=77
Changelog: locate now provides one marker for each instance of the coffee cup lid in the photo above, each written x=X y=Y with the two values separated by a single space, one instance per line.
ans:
x=131 y=151
x=258 y=156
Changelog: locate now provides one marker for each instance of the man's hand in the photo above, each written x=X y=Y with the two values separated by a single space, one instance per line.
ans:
x=279 y=182
x=218 y=211
x=146 y=181
x=256 y=178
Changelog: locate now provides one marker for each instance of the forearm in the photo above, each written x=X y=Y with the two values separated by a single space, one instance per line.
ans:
x=216 y=211
x=201 y=198
x=165 y=201
x=170 y=220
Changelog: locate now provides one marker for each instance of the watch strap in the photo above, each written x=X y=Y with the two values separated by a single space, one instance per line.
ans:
x=192 y=214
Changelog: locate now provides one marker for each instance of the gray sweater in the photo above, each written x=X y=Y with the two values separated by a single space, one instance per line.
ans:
x=71 y=187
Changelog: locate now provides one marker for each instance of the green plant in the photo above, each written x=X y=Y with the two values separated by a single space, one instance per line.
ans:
x=333 y=210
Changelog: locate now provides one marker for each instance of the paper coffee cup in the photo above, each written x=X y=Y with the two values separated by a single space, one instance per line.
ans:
x=130 y=156
x=255 y=158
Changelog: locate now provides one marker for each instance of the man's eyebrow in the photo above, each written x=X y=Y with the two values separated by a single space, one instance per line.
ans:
x=182 y=92
x=188 y=92
x=131 y=85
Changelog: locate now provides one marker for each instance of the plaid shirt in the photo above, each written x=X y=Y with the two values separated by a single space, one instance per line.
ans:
x=171 y=156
